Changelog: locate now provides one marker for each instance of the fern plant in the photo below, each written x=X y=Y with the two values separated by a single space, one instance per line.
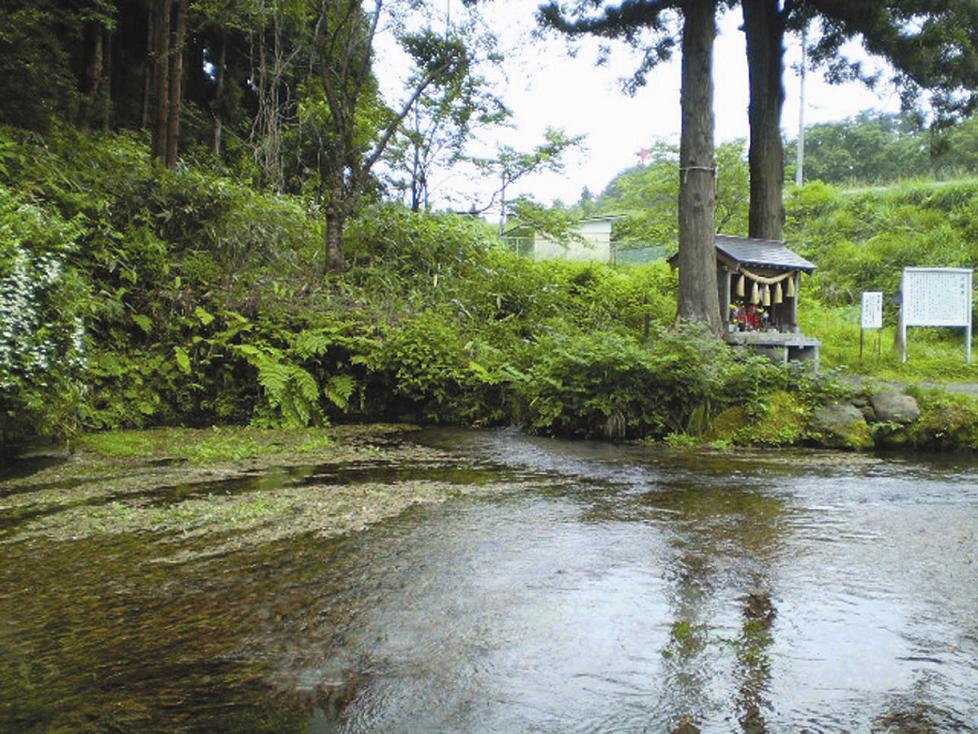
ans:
x=290 y=392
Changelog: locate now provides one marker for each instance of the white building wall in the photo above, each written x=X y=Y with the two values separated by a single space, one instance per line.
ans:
x=594 y=243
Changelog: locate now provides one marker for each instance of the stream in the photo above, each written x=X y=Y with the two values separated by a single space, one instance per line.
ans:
x=586 y=587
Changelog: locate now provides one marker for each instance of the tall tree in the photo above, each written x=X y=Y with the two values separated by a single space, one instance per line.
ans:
x=344 y=39
x=161 y=76
x=764 y=28
x=94 y=106
x=698 y=296
x=509 y=165
x=175 y=104
x=648 y=24
x=932 y=44
x=437 y=133
x=169 y=39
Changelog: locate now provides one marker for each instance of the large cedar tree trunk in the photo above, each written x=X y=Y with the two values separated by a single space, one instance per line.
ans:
x=176 y=85
x=168 y=79
x=764 y=28
x=105 y=110
x=698 y=299
x=161 y=77
x=149 y=69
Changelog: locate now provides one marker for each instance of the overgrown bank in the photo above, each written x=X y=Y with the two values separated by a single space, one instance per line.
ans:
x=862 y=240
x=137 y=296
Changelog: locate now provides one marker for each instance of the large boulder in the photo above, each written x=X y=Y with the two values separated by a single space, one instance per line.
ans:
x=842 y=426
x=894 y=407
x=728 y=424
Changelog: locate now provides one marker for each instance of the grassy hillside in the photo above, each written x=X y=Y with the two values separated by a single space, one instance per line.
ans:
x=861 y=239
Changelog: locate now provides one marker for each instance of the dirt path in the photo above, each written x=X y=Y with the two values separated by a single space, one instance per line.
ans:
x=967 y=388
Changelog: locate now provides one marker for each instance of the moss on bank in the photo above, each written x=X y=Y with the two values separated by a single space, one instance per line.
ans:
x=230 y=443
x=211 y=491
x=945 y=422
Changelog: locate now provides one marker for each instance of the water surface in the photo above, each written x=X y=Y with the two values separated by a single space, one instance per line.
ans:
x=601 y=589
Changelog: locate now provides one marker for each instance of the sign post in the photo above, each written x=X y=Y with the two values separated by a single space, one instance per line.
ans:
x=936 y=297
x=872 y=317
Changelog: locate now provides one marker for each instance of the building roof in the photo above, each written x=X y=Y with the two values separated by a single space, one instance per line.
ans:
x=760 y=253
x=514 y=229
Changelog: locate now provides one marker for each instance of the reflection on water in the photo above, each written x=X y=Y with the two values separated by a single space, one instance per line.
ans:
x=625 y=589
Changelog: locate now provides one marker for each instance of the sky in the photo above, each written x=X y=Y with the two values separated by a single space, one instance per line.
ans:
x=545 y=86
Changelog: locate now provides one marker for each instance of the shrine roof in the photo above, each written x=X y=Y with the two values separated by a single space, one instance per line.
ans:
x=760 y=253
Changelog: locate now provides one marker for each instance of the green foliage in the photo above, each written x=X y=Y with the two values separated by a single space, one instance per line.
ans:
x=778 y=420
x=648 y=197
x=934 y=355
x=869 y=148
x=947 y=421
x=292 y=394
x=208 y=445
x=402 y=244
x=427 y=363
x=161 y=264
x=878 y=147
x=199 y=307
x=35 y=55
x=42 y=304
x=609 y=384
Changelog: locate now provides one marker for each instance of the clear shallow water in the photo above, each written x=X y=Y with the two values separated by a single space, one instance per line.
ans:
x=613 y=589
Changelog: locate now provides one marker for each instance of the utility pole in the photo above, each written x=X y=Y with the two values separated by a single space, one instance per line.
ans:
x=800 y=167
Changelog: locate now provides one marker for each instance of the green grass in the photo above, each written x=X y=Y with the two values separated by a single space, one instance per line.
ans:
x=908 y=185
x=934 y=355
x=209 y=445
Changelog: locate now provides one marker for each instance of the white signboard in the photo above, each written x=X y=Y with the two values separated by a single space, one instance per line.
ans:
x=872 y=310
x=936 y=297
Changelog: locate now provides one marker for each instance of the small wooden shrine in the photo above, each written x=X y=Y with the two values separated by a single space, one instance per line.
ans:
x=759 y=282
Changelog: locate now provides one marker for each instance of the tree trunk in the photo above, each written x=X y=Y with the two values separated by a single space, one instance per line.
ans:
x=94 y=77
x=161 y=90
x=149 y=69
x=266 y=130
x=219 y=95
x=335 y=221
x=764 y=28
x=698 y=300
x=334 y=239
x=416 y=182
x=106 y=101
x=176 y=86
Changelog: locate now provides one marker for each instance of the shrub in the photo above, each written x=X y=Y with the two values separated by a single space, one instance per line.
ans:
x=42 y=336
x=610 y=385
